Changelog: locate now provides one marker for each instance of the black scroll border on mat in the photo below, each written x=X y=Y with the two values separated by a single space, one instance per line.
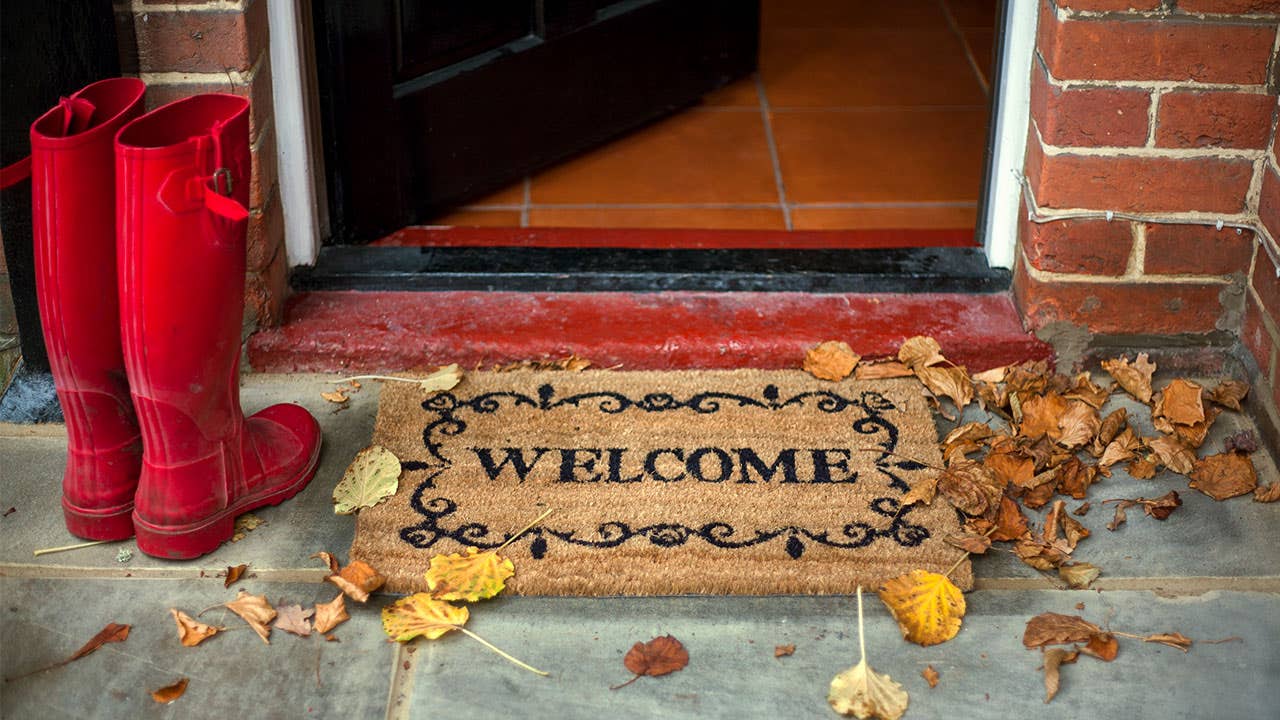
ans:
x=853 y=535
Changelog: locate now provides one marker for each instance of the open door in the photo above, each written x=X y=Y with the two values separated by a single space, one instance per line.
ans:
x=429 y=103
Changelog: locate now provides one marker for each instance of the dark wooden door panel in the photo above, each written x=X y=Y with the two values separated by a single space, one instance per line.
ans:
x=426 y=105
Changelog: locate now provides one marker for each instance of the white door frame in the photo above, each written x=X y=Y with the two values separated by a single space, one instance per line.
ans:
x=1003 y=193
x=294 y=154
x=299 y=173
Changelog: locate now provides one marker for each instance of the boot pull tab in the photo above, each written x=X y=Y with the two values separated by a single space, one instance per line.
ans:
x=76 y=116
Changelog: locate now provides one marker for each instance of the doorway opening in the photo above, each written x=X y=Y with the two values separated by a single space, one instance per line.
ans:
x=604 y=139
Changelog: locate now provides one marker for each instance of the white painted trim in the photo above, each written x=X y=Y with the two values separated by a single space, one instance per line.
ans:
x=301 y=220
x=1013 y=112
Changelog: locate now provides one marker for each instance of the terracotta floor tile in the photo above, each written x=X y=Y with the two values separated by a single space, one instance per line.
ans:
x=851 y=13
x=473 y=217
x=858 y=68
x=881 y=156
x=981 y=44
x=739 y=93
x=697 y=156
x=715 y=218
x=925 y=217
x=973 y=13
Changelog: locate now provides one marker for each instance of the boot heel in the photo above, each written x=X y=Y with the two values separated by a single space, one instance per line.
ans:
x=114 y=524
x=184 y=542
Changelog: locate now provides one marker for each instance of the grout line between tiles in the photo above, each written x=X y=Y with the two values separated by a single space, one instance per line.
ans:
x=525 y=202
x=964 y=43
x=773 y=153
x=400 y=690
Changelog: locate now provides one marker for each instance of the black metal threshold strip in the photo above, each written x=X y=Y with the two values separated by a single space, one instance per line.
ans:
x=524 y=269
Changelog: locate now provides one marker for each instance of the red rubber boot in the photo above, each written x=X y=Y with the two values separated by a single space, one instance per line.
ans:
x=182 y=187
x=73 y=206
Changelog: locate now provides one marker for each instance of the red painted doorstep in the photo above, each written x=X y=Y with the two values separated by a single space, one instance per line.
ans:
x=381 y=331
x=419 y=236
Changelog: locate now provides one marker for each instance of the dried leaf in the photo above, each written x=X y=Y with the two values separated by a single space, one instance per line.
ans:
x=1078 y=424
x=976 y=544
x=832 y=360
x=1141 y=469
x=1173 y=640
x=1040 y=416
x=951 y=382
x=970 y=487
x=192 y=632
x=1159 y=508
x=246 y=524
x=446 y=377
x=1135 y=378
x=255 y=610
x=1104 y=646
x=1244 y=441
x=972 y=431
x=293 y=619
x=864 y=693
x=1115 y=422
x=1180 y=403
x=1079 y=576
x=327 y=559
x=1172 y=454
x=1229 y=393
x=169 y=693
x=994 y=375
x=780 y=651
x=1056 y=629
x=919 y=352
x=338 y=396
x=930 y=676
x=373 y=476
x=421 y=614
x=1085 y=391
x=927 y=606
x=331 y=614
x=1074 y=478
x=1267 y=493
x=1193 y=435
x=357 y=580
x=1011 y=524
x=470 y=577
x=1225 y=475
x=660 y=656
x=234 y=574
x=882 y=370
x=1121 y=448
x=1082 y=510
x=1054 y=658
x=1011 y=468
x=923 y=491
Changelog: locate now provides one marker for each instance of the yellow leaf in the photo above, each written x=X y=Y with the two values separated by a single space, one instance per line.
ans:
x=337 y=396
x=331 y=614
x=373 y=476
x=864 y=693
x=421 y=614
x=919 y=352
x=927 y=606
x=444 y=378
x=470 y=577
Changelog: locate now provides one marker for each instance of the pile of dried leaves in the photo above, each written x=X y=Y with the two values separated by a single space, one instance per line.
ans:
x=1048 y=440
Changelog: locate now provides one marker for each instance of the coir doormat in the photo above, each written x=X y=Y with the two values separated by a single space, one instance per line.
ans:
x=744 y=481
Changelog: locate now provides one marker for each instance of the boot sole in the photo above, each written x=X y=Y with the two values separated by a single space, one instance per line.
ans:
x=186 y=542
x=99 y=523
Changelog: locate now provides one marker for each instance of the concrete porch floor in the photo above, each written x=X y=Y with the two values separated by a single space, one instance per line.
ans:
x=1210 y=571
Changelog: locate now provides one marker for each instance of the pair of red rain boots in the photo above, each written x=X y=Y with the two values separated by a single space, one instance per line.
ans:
x=139 y=229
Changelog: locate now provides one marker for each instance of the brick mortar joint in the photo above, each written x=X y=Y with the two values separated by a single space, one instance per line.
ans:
x=233 y=78
x=1179 y=17
x=1057 y=278
x=140 y=6
x=1149 y=85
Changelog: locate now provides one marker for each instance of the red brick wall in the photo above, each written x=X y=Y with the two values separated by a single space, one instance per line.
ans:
x=190 y=47
x=1157 y=111
x=1261 y=332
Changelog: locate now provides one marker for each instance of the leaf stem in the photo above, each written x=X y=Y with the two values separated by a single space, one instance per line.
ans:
x=619 y=687
x=862 y=645
x=375 y=377
x=966 y=554
x=504 y=655
x=526 y=529
x=64 y=548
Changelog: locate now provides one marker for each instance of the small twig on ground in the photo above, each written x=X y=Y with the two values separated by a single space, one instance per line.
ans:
x=966 y=554
x=64 y=548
